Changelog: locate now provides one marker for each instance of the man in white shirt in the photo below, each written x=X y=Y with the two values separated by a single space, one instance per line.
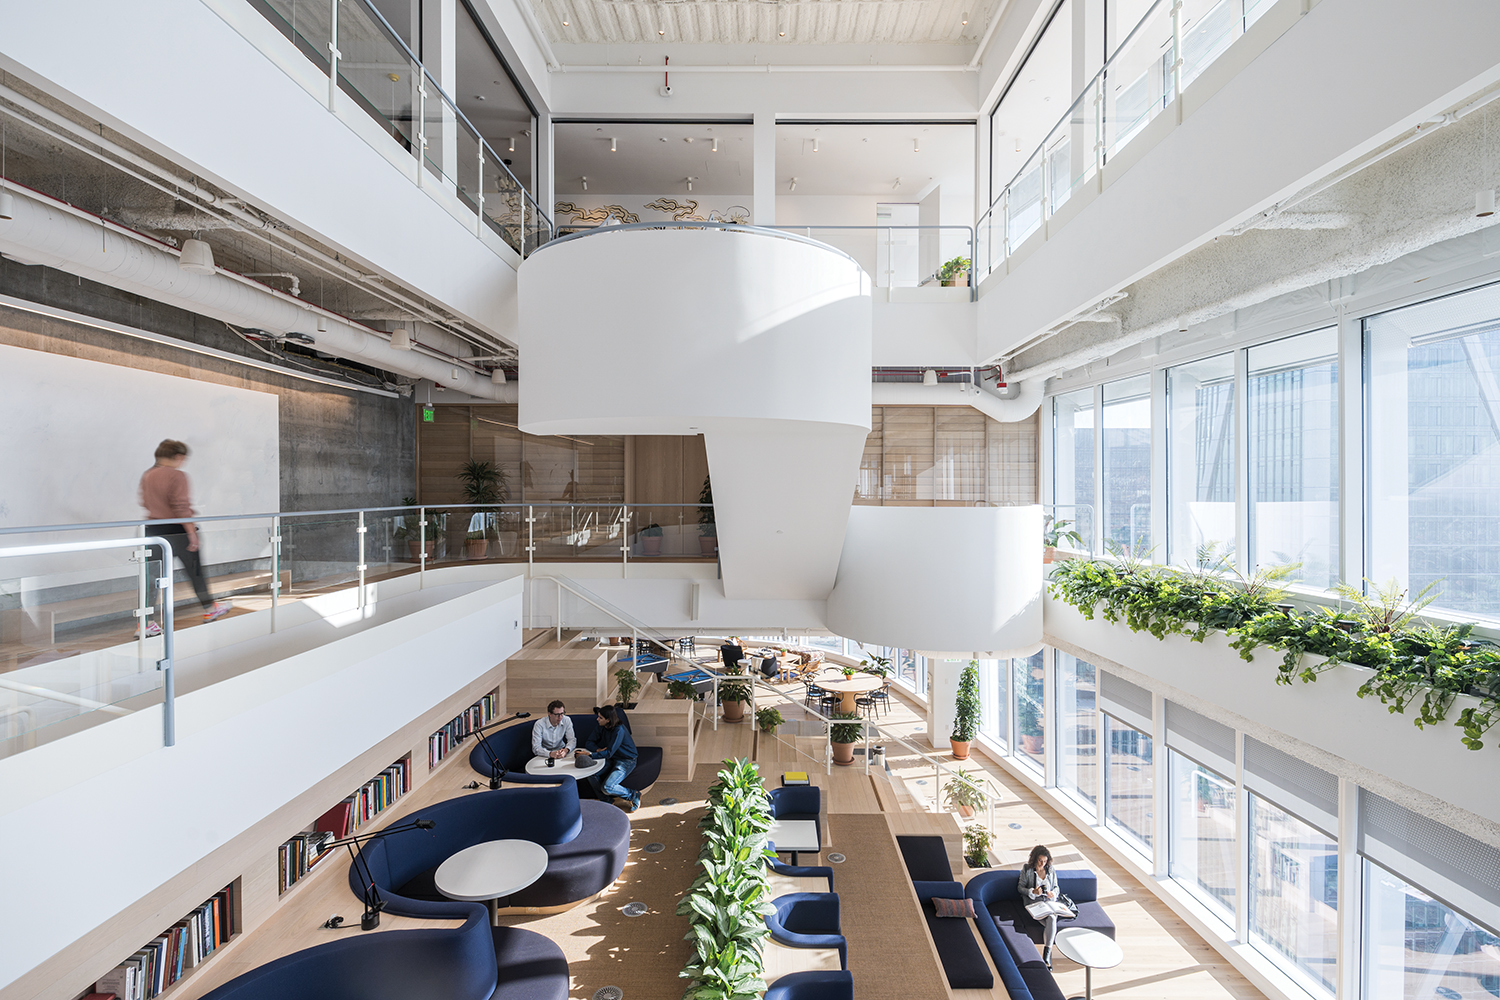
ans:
x=553 y=736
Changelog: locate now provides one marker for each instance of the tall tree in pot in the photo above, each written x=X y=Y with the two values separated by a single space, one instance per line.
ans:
x=966 y=709
x=483 y=483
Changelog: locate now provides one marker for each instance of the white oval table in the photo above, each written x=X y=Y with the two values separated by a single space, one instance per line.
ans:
x=489 y=871
x=565 y=765
x=1091 y=950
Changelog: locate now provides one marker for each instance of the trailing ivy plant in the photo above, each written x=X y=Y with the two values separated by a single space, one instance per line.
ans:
x=1414 y=663
x=727 y=903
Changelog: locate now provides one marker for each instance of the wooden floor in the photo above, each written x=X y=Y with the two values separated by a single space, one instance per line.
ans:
x=1163 y=957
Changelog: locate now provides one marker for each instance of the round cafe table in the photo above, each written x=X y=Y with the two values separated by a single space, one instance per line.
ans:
x=490 y=871
x=1091 y=950
x=852 y=688
x=564 y=765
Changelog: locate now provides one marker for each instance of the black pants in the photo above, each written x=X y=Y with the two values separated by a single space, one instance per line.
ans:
x=177 y=536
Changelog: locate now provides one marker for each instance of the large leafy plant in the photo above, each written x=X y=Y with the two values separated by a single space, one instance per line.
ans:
x=1414 y=663
x=966 y=707
x=727 y=903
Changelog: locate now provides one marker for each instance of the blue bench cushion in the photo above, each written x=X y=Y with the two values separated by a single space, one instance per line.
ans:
x=530 y=967
x=1011 y=935
x=962 y=960
x=926 y=859
x=584 y=865
x=512 y=747
x=824 y=984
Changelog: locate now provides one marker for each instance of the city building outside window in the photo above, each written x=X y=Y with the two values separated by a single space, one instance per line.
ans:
x=1127 y=465
x=1028 y=686
x=1200 y=461
x=1293 y=895
x=1292 y=395
x=994 y=687
x=1129 y=782
x=1077 y=730
x=1415 y=946
x=1073 y=460
x=1201 y=832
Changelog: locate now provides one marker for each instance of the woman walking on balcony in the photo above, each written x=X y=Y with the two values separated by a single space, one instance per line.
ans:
x=164 y=494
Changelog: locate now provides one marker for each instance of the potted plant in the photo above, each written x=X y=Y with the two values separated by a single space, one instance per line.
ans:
x=677 y=690
x=651 y=539
x=954 y=272
x=1055 y=532
x=768 y=719
x=483 y=483
x=966 y=709
x=977 y=847
x=1029 y=724
x=848 y=671
x=843 y=735
x=708 y=529
x=734 y=692
x=880 y=666
x=625 y=678
x=475 y=545
x=964 y=795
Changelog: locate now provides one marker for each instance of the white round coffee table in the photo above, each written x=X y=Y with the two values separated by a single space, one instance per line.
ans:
x=489 y=871
x=564 y=765
x=1091 y=950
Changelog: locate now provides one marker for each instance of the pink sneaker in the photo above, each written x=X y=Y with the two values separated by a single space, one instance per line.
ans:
x=152 y=630
x=219 y=610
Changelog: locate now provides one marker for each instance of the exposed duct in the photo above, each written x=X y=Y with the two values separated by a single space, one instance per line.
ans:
x=1006 y=411
x=47 y=232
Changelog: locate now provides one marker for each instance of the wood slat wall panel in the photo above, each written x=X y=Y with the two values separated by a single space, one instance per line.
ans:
x=946 y=456
x=958 y=454
x=1013 y=460
x=907 y=453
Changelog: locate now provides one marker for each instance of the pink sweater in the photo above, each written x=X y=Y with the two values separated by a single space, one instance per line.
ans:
x=164 y=493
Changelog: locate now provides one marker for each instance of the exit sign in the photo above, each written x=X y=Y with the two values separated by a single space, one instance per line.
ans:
x=427 y=414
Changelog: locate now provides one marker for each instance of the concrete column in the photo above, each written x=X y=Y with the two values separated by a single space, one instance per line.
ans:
x=941 y=699
x=439 y=56
x=763 y=211
x=545 y=184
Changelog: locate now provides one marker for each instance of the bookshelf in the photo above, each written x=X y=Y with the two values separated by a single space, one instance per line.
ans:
x=178 y=951
x=297 y=857
x=451 y=736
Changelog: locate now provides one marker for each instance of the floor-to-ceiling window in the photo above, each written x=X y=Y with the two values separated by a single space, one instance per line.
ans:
x=1073 y=461
x=1028 y=685
x=1201 y=815
x=994 y=690
x=1077 y=730
x=1127 y=465
x=1200 y=461
x=1293 y=893
x=1433 y=442
x=1416 y=946
x=1292 y=399
x=1129 y=782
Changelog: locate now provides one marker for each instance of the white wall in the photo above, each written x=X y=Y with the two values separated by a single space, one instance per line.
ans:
x=245 y=748
x=180 y=78
x=941 y=578
x=1344 y=79
x=761 y=344
x=86 y=430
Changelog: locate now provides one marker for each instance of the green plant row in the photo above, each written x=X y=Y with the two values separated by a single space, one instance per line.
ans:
x=727 y=903
x=1416 y=663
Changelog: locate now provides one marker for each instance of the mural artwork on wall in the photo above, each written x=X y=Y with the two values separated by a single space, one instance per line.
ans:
x=595 y=215
x=680 y=211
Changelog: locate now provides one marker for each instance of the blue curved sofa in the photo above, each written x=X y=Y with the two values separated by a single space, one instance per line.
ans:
x=1012 y=936
x=472 y=962
x=586 y=842
x=824 y=984
x=512 y=745
x=808 y=920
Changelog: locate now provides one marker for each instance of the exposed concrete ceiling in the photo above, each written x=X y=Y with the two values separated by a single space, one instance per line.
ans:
x=731 y=22
x=1404 y=201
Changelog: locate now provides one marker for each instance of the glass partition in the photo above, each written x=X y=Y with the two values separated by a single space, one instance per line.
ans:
x=1200 y=461
x=1292 y=395
x=1138 y=79
x=1077 y=728
x=994 y=691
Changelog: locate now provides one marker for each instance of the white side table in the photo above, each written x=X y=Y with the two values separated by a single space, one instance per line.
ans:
x=564 y=765
x=1091 y=950
x=795 y=836
x=489 y=871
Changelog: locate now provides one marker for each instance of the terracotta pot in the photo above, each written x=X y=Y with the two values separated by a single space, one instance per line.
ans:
x=843 y=754
x=708 y=544
x=734 y=711
x=1049 y=555
x=960 y=749
x=966 y=811
x=476 y=548
x=1032 y=744
x=651 y=545
x=413 y=546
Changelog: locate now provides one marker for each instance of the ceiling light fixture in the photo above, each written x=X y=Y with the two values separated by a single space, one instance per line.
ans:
x=1484 y=203
x=511 y=142
x=690 y=183
x=497 y=375
x=897 y=184
x=322 y=324
x=401 y=339
x=965 y=20
x=585 y=183
x=196 y=257
x=916 y=145
x=792 y=186
x=612 y=145
x=716 y=147
x=661 y=21
x=815 y=145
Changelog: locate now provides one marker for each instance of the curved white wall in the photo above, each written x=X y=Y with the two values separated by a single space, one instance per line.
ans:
x=759 y=343
x=942 y=578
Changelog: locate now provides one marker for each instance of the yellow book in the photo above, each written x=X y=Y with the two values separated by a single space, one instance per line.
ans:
x=794 y=778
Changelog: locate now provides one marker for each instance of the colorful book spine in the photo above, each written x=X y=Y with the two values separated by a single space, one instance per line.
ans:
x=481 y=713
x=174 y=953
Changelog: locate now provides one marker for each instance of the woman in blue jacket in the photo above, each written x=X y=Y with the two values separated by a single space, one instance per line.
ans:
x=611 y=743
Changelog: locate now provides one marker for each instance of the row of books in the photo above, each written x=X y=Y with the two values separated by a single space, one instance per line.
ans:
x=175 y=952
x=369 y=801
x=297 y=857
x=439 y=743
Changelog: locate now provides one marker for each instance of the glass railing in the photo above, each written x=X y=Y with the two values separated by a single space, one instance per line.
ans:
x=902 y=256
x=1169 y=48
x=81 y=627
x=377 y=72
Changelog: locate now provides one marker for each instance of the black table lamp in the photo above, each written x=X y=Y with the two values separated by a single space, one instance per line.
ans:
x=497 y=770
x=370 y=919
